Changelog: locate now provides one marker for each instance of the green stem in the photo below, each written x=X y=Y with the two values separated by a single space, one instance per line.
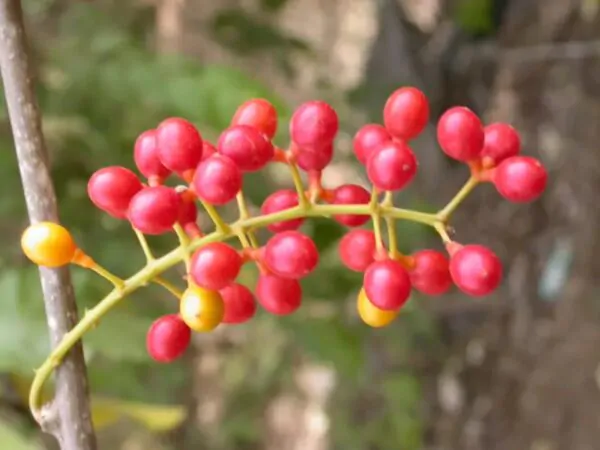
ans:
x=302 y=200
x=375 y=211
x=116 y=281
x=441 y=229
x=390 y=224
x=244 y=214
x=444 y=214
x=214 y=216
x=162 y=264
x=184 y=242
x=168 y=286
x=144 y=244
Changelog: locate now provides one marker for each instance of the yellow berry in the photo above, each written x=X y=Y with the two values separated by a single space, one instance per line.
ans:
x=201 y=309
x=371 y=315
x=48 y=244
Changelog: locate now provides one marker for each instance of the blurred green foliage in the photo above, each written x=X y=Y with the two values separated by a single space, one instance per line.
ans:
x=99 y=88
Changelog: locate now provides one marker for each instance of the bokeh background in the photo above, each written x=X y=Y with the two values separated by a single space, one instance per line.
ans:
x=516 y=371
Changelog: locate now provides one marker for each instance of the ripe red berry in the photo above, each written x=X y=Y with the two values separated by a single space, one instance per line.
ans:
x=357 y=249
x=154 y=210
x=430 y=274
x=145 y=155
x=112 y=188
x=314 y=158
x=475 y=269
x=207 y=150
x=291 y=254
x=367 y=139
x=392 y=166
x=460 y=134
x=314 y=123
x=406 y=113
x=217 y=180
x=279 y=296
x=246 y=146
x=520 y=179
x=168 y=338
x=280 y=201
x=239 y=303
x=179 y=145
x=349 y=194
x=387 y=284
x=257 y=113
x=188 y=211
x=215 y=266
x=501 y=142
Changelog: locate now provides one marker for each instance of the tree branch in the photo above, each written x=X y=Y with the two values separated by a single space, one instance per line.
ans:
x=68 y=417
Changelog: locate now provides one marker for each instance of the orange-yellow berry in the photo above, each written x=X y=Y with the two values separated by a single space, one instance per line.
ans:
x=371 y=315
x=48 y=244
x=202 y=309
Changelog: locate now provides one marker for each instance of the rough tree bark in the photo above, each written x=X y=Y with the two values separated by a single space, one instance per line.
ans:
x=68 y=417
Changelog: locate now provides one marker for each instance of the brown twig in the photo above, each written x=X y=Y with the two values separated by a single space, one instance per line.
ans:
x=68 y=417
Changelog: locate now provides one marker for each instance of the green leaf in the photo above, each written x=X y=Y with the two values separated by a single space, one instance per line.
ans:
x=475 y=16
x=13 y=440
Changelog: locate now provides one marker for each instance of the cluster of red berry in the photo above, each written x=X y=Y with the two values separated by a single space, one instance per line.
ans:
x=213 y=176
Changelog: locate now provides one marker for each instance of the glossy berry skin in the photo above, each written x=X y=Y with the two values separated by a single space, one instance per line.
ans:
x=168 y=338
x=291 y=254
x=520 y=179
x=357 y=249
x=349 y=194
x=246 y=146
x=48 y=244
x=215 y=266
x=430 y=274
x=392 y=166
x=406 y=113
x=154 y=210
x=371 y=314
x=280 y=201
x=217 y=180
x=314 y=158
x=208 y=150
x=367 y=139
x=188 y=211
x=179 y=145
x=387 y=284
x=460 y=134
x=279 y=296
x=112 y=188
x=239 y=303
x=314 y=123
x=201 y=309
x=145 y=155
x=476 y=270
x=257 y=113
x=501 y=141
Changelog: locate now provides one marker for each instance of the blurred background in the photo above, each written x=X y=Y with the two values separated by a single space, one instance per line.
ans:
x=516 y=371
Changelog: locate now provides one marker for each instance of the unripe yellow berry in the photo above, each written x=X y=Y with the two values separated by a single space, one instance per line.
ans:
x=48 y=244
x=201 y=309
x=371 y=315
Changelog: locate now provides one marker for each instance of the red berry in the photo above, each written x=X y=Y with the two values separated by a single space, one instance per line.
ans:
x=188 y=211
x=168 y=338
x=475 y=269
x=387 y=284
x=280 y=201
x=246 y=146
x=392 y=166
x=291 y=254
x=314 y=123
x=314 y=158
x=501 y=142
x=279 y=296
x=112 y=188
x=460 y=134
x=357 y=249
x=431 y=274
x=217 y=180
x=367 y=139
x=179 y=145
x=349 y=194
x=406 y=113
x=207 y=150
x=145 y=155
x=239 y=303
x=257 y=113
x=154 y=210
x=215 y=266
x=520 y=179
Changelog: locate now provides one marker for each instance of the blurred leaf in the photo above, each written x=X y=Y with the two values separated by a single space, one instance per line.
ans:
x=272 y=5
x=475 y=16
x=156 y=418
x=326 y=233
x=13 y=440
